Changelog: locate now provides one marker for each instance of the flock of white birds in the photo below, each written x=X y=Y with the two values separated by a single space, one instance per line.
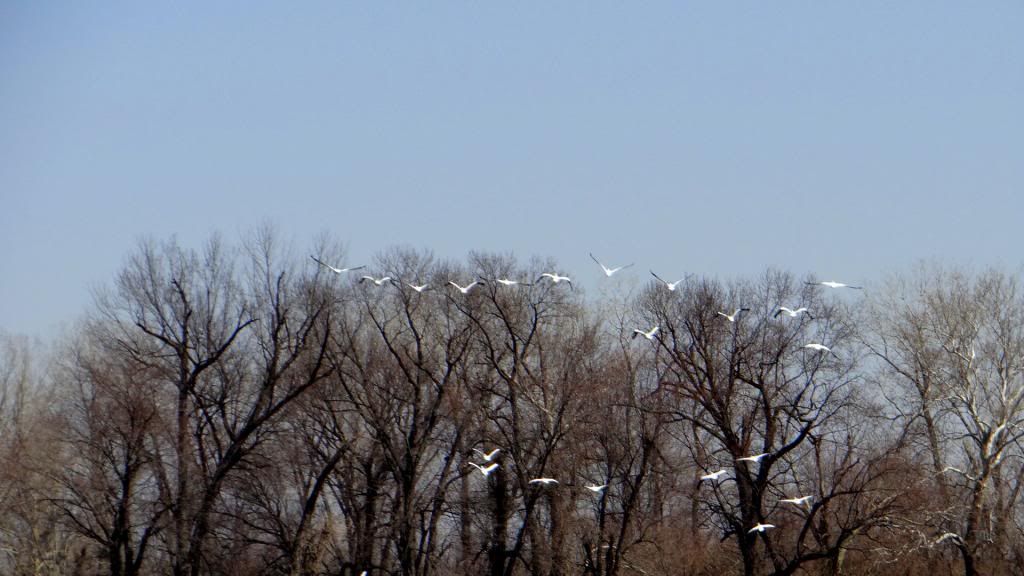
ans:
x=490 y=464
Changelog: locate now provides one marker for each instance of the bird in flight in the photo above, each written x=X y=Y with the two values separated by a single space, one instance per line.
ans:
x=465 y=289
x=332 y=268
x=376 y=281
x=485 y=470
x=820 y=348
x=834 y=284
x=421 y=288
x=760 y=527
x=649 y=334
x=555 y=278
x=488 y=456
x=595 y=488
x=670 y=285
x=544 y=481
x=714 y=476
x=735 y=314
x=797 y=501
x=508 y=282
x=756 y=458
x=609 y=271
x=792 y=313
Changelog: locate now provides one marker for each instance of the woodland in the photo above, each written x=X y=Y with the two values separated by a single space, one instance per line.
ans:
x=239 y=408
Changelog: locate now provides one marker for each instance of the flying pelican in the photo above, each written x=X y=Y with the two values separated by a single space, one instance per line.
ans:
x=508 y=282
x=608 y=271
x=376 y=281
x=820 y=348
x=649 y=334
x=489 y=456
x=760 y=527
x=554 y=278
x=735 y=314
x=714 y=476
x=791 y=313
x=670 y=285
x=420 y=289
x=485 y=470
x=544 y=481
x=834 y=284
x=468 y=287
x=797 y=501
x=332 y=268
x=596 y=489
x=756 y=458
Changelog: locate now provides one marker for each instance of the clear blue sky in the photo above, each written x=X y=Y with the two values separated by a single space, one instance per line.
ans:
x=844 y=139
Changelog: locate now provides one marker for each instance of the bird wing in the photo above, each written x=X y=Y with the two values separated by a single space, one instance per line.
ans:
x=325 y=264
x=659 y=278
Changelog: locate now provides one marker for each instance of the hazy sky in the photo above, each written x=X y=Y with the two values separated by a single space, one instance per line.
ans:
x=843 y=139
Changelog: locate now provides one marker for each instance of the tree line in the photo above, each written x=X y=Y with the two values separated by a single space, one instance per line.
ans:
x=237 y=409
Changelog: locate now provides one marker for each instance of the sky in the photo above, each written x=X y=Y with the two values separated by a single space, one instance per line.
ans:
x=846 y=140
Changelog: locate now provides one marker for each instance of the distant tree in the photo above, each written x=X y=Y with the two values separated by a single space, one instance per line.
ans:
x=954 y=345
x=750 y=387
x=228 y=350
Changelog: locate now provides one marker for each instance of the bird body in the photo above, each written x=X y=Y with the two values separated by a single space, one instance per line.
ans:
x=376 y=281
x=544 y=481
x=608 y=271
x=649 y=334
x=834 y=284
x=555 y=278
x=820 y=348
x=488 y=456
x=760 y=527
x=791 y=313
x=485 y=470
x=756 y=458
x=596 y=489
x=735 y=314
x=797 y=501
x=465 y=289
x=670 y=285
x=421 y=288
x=332 y=268
x=508 y=282
x=714 y=476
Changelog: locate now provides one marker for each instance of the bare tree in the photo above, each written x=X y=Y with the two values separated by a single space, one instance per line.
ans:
x=956 y=342
x=228 y=352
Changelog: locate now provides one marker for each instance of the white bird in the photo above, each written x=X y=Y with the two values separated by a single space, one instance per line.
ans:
x=332 y=268
x=544 y=481
x=756 y=458
x=714 y=476
x=596 y=489
x=791 y=313
x=760 y=527
x=485 y=470
x=509 y=282
x=797 y=501
x=609 y=271
x=649 y=334
x=670 y=285
x=735 y=314
x=468 y=287
x=554 y=278
x=820 y=348
x=376 y=281
x=421 y=288
x=363 y=573
x=834 y=284
x=489 y=456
